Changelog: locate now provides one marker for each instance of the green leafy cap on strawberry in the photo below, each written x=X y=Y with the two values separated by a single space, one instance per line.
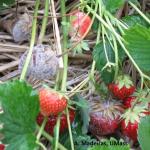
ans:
x=134 y=114
x=124 y=80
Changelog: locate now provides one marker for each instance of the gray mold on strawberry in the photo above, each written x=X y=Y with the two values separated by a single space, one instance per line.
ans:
x=43 y=64
x=105 y=117
x=19 y=28
x=22 y=28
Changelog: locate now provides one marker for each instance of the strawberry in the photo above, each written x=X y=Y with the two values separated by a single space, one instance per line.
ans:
x=51 y=102
x=128 y=102
x=80 y=22
x=2 y=146
x=49 y=127
x=122 y=88
x=105 y=117
x=130 y=130
x=132 y=116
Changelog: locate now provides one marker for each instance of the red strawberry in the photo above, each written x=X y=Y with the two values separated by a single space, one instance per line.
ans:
x=104 y=117
x=128 y=102
x=51 y=102
x=122 y=88
x=130 y=130
x=49 y=127
x=80 y=22
x=131 y=120
x=2 y=146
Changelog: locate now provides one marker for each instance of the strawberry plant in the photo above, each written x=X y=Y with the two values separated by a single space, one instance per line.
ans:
x=83 y=83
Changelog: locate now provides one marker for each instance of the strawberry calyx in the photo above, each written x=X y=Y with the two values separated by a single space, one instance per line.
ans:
x=124 y=80
x=133 y=115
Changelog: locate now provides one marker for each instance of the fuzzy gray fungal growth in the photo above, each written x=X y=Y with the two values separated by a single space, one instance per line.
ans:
x=43 y=64
x=22 y=28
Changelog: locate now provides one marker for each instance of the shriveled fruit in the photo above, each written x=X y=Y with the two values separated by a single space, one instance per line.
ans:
x=49 y=127
x=80 y=22
x=51 y=102
x=19 y=28
x=43 y=64
x=105 y=117
x=122 y=88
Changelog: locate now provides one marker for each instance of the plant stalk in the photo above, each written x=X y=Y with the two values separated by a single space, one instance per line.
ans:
x=50 y=138
x=57 y=127
x=44 y=22
x=65 y=33
x=69 y=129
x=32 y=41
x=142 y=15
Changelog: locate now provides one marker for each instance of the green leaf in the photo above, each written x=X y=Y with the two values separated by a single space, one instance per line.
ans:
x=84 y=113
x=134 y=20
x=83 y=142
x=100 y=57
x=113 y=5
x=6 y=3
x=111 y=144
x=138 y=44
x=144 y=133
x=21 y=107
x=107 y=75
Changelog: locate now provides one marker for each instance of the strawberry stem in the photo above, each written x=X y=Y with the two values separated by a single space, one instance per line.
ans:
x=65 y=33
x=69 y=129
x=42 y=145
x=65 y=58
x=32 y=41
x=57 y=132
x=44 y=22
x=143 y=15
x=41 y=129
x=50 y=138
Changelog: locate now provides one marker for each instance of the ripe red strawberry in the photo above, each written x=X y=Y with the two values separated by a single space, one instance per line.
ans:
x=105 y=117
x=130 y=130
x=122 y=88
x=2 y=146
x=80 y=22
x=51 y=102
x=131 y=120
x=128 y=102
x=49 y=127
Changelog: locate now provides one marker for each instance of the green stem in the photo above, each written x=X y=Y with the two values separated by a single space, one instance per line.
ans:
x=32 y=41
x=50 y=138
x=41 y=145
x=57 y=127
x=143 y=15
x=115 y=50
x=65 y=33
x=41 y=129
x=97 y=40
x=44 y=22
x=116 y=58
x=69 y=128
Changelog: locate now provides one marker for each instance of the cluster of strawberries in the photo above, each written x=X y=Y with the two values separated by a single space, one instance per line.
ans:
x=51 y=104
x=124 y=109
x=124 y=90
